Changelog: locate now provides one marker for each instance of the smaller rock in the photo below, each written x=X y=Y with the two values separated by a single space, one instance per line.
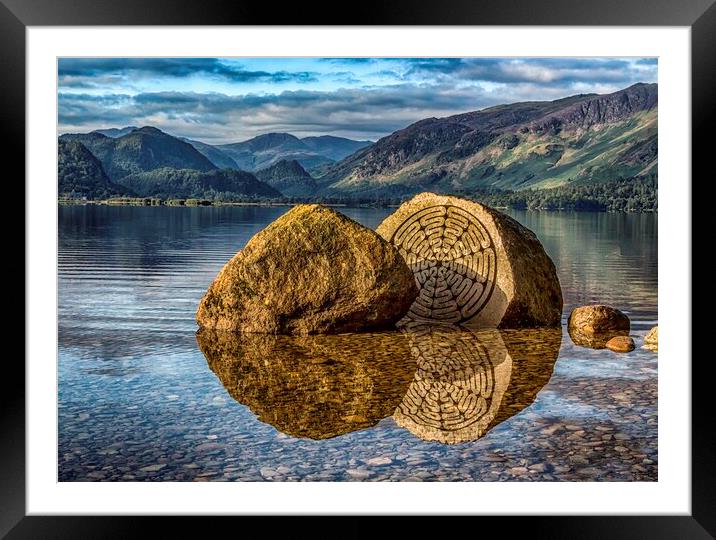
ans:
x=208 y=447
x=153 y=468
x=380 y=460
x=651 y=340
x=358 y=473
x=598 y=319
x=592 y=326
x=621 y=344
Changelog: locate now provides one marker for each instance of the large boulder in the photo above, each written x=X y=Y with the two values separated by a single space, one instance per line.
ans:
x=594 y=325
x=475 y=266
x=311 y=271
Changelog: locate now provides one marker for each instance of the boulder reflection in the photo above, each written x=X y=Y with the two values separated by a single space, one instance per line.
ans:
x=594 y=341
x=466 y=382
x=441 y=382
x=314 y=387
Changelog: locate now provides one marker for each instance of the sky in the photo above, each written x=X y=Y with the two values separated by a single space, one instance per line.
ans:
x=224 y=100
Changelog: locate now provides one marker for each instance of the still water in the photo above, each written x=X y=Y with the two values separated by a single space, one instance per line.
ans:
x=143 y=397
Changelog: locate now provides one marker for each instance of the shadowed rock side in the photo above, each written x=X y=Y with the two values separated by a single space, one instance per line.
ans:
x=314 y=387
x=474 y=265
x=468 y=382
x=311 y=271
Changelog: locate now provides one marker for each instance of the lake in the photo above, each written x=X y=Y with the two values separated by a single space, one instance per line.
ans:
x=142 y=397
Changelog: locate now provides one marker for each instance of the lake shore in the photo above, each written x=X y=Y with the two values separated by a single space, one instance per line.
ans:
x=192 y=203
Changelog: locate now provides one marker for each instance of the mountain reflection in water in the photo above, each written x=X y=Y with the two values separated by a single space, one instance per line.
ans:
x=441 y=382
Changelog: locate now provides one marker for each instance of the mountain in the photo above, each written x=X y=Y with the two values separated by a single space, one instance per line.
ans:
x=266 y=150
x=225 y=184
x=289 y=178
x=579 y=139
x=115 y=132
x=80 y=174
x=335 y=148
x=141 y=150
x=213 y=154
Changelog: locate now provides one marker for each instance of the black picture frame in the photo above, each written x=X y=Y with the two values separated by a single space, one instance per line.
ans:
x=699 y=15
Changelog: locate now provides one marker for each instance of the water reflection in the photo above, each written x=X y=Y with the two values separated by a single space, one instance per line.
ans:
x=594 y=341
x=315 y=387
x=467 y=382
x=441 y=382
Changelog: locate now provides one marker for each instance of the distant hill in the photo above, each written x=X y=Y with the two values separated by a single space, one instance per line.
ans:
x=335 y=148
x=224 y=184
x=218 y=157
x=141 y=150
x=289 y=178
x=115 y=132
x=80 y=174
x=585 y=138
x=266 y=150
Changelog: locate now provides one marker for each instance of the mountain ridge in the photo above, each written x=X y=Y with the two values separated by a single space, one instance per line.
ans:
x=268 y=149
x=141 y=150
x=515 y=146
x=575 y=140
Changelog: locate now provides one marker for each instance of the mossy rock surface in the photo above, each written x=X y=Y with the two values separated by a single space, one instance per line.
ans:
x=311 y=271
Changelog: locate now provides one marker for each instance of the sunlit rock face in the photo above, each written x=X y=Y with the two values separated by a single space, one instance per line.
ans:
x=312 y=271
x=651 y=340
x=467 y=382
x=474 y=266
x=314 y=387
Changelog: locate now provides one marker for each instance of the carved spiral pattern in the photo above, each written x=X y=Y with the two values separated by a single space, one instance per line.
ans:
x=453 y=259
x=454 y=383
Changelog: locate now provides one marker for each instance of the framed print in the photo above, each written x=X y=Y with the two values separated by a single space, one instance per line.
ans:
x=402 y=264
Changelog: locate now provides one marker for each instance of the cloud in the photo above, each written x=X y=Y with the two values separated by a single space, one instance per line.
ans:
x=328 y=95
x=347 y=77
x=348 y=61
x=362 y=113
x=529 y=70
x=88 y=72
